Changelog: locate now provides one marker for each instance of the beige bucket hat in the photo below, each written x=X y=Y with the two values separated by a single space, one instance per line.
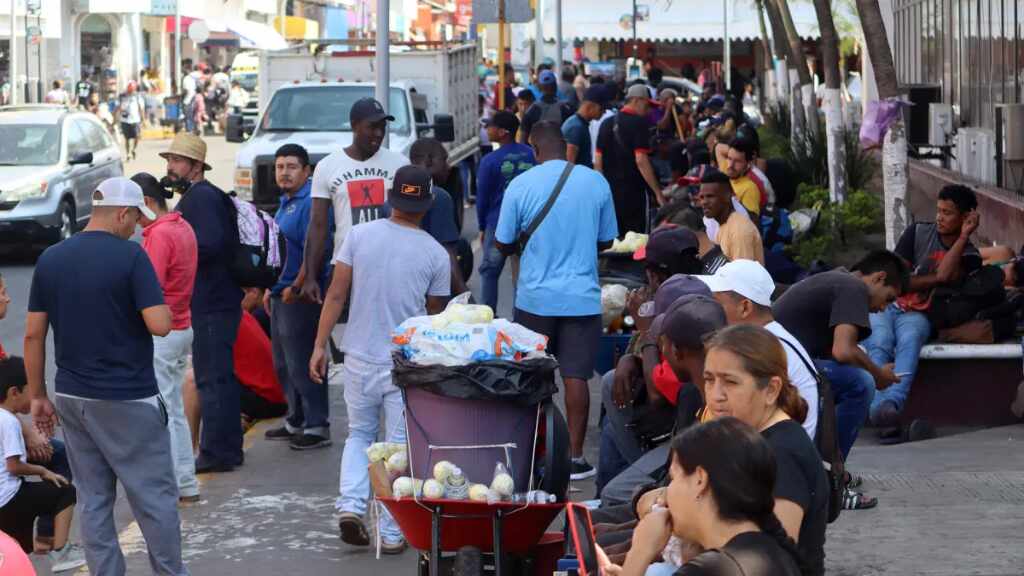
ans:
x=188 y=146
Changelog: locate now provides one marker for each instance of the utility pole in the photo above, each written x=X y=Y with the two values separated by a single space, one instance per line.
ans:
x=634 y=33
x=501 y=54
x=726 y=47
x=558 y=37
x=383 y=58
x=176 y=81
x=13 y=55
x=538 y=24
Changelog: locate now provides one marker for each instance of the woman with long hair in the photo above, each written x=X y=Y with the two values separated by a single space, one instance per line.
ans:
x=721 y=499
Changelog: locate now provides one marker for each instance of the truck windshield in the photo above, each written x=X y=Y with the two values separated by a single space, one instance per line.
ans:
x=326 y=109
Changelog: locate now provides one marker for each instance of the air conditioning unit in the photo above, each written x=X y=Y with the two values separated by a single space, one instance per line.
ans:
x=940 y=124
x=976 y=154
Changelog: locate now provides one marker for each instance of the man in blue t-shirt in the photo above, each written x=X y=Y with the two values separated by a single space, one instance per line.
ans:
x=576 y=130
x=293 y=321
x=558 y=293
x=496 y=170
x=216 y=303
x=440 y=221
x=99 y=292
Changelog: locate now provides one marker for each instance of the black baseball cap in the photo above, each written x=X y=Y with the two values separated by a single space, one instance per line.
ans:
x=151 y=186
x=598 y=94
x=411 y=191
x=689 y=320
x=504 y=120
x=368 y=109
x=665 y=245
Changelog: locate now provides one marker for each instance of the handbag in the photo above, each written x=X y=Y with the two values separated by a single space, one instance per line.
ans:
x=524 y=236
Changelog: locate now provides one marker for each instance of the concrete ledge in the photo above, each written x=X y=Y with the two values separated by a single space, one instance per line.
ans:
x=972 y=351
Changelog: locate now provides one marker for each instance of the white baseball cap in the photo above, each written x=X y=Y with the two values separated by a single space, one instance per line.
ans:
x=123 y=193
x=744 y=277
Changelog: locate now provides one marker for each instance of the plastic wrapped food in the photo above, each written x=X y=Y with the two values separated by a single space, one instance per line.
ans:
x=630 y=243
x=478 y=492
x=397 y=463
x=613 y=302
x=502 y=483
x=433 y=489
x=458 y=344
x=402 y=487
x=442 y=470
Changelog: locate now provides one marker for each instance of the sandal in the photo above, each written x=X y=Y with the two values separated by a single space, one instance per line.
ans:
x=352 y=529
x=858 y=501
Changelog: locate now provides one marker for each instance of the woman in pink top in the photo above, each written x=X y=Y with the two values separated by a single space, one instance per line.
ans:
x=171 y=245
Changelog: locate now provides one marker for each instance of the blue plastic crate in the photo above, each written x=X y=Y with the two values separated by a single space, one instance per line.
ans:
x=612 y=347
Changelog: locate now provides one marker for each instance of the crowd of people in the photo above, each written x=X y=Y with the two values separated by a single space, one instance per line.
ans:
x=715 y=422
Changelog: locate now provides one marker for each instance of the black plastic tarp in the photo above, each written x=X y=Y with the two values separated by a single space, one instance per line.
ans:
x=527 y=382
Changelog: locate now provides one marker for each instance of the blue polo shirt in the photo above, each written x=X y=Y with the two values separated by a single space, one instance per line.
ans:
x=576 y=131
x=558 y=271
x=293 y=219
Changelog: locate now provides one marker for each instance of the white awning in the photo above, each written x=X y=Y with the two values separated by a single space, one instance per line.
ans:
x=256 y=35
x=668 y=20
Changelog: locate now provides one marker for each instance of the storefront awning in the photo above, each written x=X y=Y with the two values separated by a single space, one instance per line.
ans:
x=298 y=28
x=256 y=35
x=669 y=20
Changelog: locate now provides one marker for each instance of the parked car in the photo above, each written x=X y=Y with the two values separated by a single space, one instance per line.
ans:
x=51 y=160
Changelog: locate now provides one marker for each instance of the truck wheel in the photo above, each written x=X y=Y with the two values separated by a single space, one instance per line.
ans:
x=67 y=226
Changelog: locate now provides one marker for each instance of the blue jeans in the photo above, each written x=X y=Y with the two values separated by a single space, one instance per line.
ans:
x=896 y=336
x=368 y=389
x=491 y=265
x=59 y=464
x=294 y=336
x=619 y=447
x=213 y=361
x=853 y=388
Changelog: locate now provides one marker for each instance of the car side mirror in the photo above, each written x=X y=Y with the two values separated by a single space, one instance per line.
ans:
x=81 y=158
x=444 y=127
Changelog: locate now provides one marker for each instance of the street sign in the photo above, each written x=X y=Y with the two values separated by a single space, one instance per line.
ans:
x=163 y=7
x=199 y=32
x=486 y=11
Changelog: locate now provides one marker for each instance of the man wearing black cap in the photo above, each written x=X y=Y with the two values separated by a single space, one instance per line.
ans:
x=548 y=108
x=623 y=156
x=355 y=181
x=173 y=249
x=395 y=271
x=496 y=170
x=576 y=129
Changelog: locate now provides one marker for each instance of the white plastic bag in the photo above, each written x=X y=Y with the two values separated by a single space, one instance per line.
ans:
x=613 y=302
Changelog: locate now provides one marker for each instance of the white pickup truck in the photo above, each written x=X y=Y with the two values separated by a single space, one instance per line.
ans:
x=305 y=99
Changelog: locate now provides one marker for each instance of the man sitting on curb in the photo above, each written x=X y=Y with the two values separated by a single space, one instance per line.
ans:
x=940 y=254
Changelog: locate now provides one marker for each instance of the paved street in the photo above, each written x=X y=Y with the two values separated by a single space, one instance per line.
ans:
x=949 y=506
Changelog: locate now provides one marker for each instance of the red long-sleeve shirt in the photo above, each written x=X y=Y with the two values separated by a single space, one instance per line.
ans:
x=171 y=245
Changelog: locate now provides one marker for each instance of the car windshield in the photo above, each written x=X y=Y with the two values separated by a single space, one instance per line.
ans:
x=246 y=80
x=326 y=109
x=29 y=144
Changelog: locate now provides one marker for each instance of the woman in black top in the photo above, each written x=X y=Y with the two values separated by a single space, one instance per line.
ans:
x=723 y=475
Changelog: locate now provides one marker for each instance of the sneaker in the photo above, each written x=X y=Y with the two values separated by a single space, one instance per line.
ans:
x=352 y=529
x=886 y=416
x=281 y=434
x=67 y=558
x=393 y=548
x=309 y=442
x=193 y=499
x=581 y=470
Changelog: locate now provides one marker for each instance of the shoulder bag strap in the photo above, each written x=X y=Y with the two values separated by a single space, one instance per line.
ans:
x=524 y=237
x=825 y=435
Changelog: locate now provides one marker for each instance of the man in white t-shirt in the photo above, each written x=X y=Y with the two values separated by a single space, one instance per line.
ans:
x=394 y=270
x=355 y=181
x=131 y=109
x=744 y=288
x=58 y=95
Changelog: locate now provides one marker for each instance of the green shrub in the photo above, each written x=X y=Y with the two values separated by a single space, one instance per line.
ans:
x=839 y=225
x=810 y=160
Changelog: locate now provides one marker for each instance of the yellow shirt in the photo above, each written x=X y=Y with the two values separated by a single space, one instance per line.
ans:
x=740 y=239
x=747 y=193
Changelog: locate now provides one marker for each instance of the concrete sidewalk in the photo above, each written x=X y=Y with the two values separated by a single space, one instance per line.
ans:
x=949 y=506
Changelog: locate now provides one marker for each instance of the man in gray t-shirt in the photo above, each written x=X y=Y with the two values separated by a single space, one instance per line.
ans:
x=395 y=271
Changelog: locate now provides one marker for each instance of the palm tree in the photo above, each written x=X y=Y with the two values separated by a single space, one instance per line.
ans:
x=796 y=49
x=834 y=125
x=767 y=52
x=894 y=146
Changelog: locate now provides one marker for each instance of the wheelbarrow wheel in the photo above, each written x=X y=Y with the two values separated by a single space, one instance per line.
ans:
x=555 y=465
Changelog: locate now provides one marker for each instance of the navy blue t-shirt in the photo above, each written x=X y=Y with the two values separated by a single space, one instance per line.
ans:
x=206 y=208
x=93 y=287
x=439 y=221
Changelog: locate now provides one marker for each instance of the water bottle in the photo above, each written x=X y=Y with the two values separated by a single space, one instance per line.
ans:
x=455 y=486
x=534 y=497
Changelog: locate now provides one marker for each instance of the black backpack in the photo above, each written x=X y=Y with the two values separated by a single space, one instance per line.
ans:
x=826 y=439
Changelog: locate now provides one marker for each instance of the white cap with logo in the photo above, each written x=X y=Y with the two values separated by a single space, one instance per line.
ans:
x=122 y=192
x=744 y=277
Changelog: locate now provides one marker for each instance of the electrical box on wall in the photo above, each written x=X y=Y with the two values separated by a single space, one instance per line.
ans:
x=940 y=124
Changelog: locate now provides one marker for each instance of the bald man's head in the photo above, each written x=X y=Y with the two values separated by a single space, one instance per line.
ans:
x=546 y=138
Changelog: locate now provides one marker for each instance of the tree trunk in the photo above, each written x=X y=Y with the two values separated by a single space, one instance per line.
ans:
x=834 y=125
x=796 y=48
x=789 y=89
x=894 y=147
x=768 y=71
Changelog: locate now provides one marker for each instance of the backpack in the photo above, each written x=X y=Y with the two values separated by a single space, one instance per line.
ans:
x=549 y=111
x=256 y=255
x=826 y=440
